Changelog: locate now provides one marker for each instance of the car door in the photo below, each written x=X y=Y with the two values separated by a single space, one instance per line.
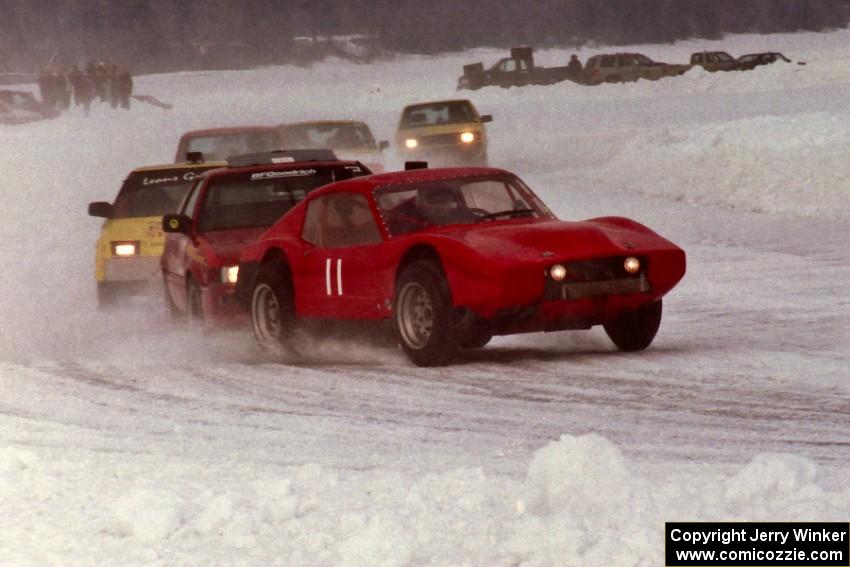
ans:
x=179 y=248
x=342 y=274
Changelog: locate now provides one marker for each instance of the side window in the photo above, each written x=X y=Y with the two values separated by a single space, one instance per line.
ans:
x=698 y=58
x=607 y=61
x=509 y=66
x=341 y=219
x=191 y=200
x=310 y=230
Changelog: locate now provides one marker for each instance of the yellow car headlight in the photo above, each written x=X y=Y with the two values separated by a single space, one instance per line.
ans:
x=467 y=137
x=411 y=143
x=125 y=249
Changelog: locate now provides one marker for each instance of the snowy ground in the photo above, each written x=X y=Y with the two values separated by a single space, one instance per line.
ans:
x=125 y=440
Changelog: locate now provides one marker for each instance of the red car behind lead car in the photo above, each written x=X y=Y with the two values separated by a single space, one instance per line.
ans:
x=453 y=257
x=228 y=208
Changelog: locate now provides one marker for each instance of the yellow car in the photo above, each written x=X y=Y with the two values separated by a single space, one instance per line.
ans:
x=131 y=240
x=444 y=133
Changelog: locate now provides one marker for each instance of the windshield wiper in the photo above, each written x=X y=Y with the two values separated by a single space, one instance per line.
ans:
x=507 y=213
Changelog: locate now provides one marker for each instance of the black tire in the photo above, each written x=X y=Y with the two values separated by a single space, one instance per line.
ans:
x=170 y=306
x=194 y=304
x=105 y=296
x=635 y=330
x=424 y=316
x=272 y=308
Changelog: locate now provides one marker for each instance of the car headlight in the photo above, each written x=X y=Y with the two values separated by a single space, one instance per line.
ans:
x=467 y=137
x=125 y=249
x=229 y=274
x=631 y=265
x=558 y=272
x=411 y=143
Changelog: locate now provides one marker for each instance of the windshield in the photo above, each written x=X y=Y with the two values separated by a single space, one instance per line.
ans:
x=449 y=112
x=222 y=146
x=330 y=135
x=153 y=193
x=411 y=207
x=259 y=199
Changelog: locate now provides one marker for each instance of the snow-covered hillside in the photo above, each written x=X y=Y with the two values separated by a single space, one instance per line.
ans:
x=127 y=440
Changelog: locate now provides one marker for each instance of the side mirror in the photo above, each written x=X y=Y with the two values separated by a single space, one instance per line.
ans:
x=486 y=118
x=176 y=223
x=101 y=209
x=382 y=145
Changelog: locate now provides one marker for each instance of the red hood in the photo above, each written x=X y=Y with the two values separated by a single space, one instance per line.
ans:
x=594 y=237
x=227 y=244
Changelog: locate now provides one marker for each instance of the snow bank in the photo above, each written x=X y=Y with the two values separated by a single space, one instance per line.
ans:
x=581 y=502
x=793 y=165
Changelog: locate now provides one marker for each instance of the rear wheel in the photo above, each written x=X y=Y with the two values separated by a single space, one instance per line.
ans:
x=194 y=304
x=635 y=330
x=105 y=296
x=424 y=315
x=272 y=308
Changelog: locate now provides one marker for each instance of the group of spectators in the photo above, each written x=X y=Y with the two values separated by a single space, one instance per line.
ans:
x=107 y=83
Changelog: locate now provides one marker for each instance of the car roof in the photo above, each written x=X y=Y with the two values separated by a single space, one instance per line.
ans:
x=368 y=183
x=228 y=130
x=303 y=122
x=180 y=166
x=427 y=102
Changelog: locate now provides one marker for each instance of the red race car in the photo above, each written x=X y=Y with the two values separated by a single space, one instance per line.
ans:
x=453 y=257
x=227 y=208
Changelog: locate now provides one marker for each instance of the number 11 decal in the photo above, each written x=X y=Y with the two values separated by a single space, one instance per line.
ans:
x=329 y=278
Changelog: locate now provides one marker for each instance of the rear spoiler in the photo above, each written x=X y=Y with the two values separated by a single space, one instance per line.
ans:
x=280 y=156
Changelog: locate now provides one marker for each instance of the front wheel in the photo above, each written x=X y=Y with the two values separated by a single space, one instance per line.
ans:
x=635 y=330
x=170 y=306
x=424 y=314
x=272 y=308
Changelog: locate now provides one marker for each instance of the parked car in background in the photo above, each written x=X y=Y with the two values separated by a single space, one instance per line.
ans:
x=625 y=67
x=443 y=132
x=755 y=59
x=21 y=107
x=515 y=71
x=228 y=208
x=130 y=243
x=349 y=139
x=452 y=257
x=717 y=61
x=221 y=143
